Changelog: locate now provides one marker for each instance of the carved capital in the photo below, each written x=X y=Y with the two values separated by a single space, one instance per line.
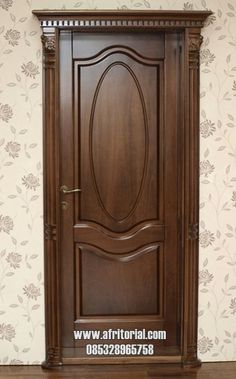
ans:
x=49 y=43
x=195 y=41
x=49 y=47
x=193 y=233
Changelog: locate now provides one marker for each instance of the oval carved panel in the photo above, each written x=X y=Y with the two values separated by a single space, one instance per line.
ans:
x=118 y=141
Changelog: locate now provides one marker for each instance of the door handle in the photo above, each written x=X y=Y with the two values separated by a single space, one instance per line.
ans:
x=65 y=190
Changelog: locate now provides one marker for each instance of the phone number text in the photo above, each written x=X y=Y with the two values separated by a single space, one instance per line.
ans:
x=119 y=349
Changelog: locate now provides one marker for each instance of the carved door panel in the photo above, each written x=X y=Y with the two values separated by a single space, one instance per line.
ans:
x=119 y=121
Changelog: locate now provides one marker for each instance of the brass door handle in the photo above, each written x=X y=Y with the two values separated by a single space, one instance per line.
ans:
x=65 y=190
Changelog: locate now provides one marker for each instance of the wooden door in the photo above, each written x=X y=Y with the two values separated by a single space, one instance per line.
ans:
x=121 y=124
x=119 y=117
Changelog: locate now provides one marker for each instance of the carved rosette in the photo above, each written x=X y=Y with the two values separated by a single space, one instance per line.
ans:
x=195 y=41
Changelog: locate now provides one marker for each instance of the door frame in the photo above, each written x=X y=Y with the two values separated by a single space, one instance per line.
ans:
x=189 y=23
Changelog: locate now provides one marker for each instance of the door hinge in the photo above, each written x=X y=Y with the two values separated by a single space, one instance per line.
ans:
x=193 y=231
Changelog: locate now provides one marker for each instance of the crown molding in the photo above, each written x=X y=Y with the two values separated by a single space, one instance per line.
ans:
x=121 y=19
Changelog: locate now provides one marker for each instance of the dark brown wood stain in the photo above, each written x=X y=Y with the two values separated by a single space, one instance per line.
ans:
x=121 y=122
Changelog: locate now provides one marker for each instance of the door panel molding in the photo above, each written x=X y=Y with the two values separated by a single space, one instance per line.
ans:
x=119 y=49
x=140 y=235
x=96 y=126
x=94 y=159
x=132 y=262
x=121 y=257
x=188 y=24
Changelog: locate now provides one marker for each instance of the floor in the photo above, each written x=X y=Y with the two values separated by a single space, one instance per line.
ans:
x=161 y=371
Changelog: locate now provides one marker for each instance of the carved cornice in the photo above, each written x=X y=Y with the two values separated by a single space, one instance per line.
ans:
x=195 y=41
x=121 y=19
x=49 y=43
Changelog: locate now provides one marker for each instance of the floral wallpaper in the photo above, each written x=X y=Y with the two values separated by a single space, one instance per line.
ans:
x=21 y=205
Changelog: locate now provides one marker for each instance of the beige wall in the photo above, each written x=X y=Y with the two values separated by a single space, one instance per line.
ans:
x=21 y=231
